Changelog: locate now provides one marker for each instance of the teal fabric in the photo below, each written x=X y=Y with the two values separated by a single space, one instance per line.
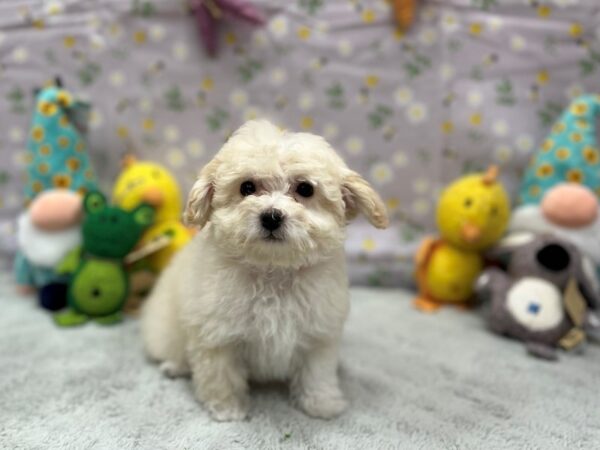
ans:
x=57 y=153
x=28 y=274
x=569 y=154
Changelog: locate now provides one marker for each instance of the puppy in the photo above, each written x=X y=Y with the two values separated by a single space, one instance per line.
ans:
x=261 y=293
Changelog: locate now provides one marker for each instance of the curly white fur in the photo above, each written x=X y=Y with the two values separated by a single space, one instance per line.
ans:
x=235 y=306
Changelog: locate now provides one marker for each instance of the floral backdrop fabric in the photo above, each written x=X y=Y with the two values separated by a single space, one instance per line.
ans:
x=473 y=82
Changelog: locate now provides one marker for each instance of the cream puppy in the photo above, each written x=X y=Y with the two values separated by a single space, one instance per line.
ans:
x=261 y=293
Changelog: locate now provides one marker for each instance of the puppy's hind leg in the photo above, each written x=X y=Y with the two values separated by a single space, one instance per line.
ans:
x=163 y=336
x=220 y=384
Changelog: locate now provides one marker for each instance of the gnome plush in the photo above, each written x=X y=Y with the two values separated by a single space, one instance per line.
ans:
x=58 y=172
x=560 y=190
x=57 y=152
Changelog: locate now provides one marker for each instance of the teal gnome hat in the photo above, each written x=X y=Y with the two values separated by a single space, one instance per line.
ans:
x=57 y=153
x=569 y=154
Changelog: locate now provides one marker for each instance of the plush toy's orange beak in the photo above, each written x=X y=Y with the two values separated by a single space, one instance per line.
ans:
x=153 y=196
x=470 y=233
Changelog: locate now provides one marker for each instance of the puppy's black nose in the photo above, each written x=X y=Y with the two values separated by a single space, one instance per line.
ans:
x=271 y=219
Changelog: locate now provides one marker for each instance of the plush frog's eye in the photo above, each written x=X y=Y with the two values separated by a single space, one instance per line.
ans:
x=468 y=202
x=144 y=215
x=94 y=202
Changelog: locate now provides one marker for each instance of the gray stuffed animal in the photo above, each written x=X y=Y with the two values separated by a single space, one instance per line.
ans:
x=547 y=296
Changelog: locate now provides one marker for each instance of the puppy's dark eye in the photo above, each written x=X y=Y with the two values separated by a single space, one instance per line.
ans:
x=247 y=188
x=305 y=189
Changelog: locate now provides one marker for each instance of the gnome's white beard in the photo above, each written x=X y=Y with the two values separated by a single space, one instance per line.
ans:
x=46 y=248
x=531 y=218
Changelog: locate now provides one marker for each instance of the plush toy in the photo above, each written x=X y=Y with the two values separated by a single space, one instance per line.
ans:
x=569 y=155
x=147 y=182
x=569 y=211
x=98 y=286
x=547 y=296
x=404 y=13
x=57 y=156
x=210 y=13
x=46 y=233
x=560 y=189
x=472 y=214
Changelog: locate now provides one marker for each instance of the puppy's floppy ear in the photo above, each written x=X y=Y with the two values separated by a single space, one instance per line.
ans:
x=199 y=203
x=360 y=197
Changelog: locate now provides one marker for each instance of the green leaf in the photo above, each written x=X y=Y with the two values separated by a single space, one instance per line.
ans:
x=587 y=67
x=174 y=99
x=310 y=6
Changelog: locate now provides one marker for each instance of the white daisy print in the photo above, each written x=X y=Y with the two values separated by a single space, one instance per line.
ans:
x=20 y=54
x=503 y=153
x=195 y=147
x=421 y=185
x=494 y=23
x=381 y=173
x=428 y=36
x=500 y=128
x=238 y=98
x=16 y=135
x=175 y=157
x=180 y=51
x=251 y=113
x=524 y=142
x=344 y=47
x=517 y=42
x=421 y=207
x=449 y=22
x=278 y=26
x=306 y=101
x=400 y=158
x=416 y=113
x=146 y=105
x=574 y=90
x=157 y=33
x=354 y=145
x=330 y=131
x=474 y=98
x=96 y=119
x=171 y=133
x=447 y=72
x=278 y=76
x=259 y=39
x=403 y=95
x=117 y=78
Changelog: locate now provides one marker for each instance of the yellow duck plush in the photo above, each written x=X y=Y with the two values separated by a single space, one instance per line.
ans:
x=148 y=182
x=472 y=215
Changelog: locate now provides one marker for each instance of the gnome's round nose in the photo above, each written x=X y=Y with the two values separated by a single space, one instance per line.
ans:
x=570 y=205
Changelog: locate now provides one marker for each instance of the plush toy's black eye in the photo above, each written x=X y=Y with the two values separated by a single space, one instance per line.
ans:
x=494 y=211
x=247 y=188
x=468 y=202
x=305 y=189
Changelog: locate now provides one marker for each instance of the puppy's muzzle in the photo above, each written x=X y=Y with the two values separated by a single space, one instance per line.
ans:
x=272 y=219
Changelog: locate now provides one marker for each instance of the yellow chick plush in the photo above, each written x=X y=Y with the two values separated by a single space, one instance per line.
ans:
x=148 y=182
x=472 y=215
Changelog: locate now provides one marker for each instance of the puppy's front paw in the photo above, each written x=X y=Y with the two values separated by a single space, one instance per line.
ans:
x=229 y=411
x=173 y=370
x=322 y=406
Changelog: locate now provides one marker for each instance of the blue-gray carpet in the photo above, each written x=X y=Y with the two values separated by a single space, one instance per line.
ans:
x=414 y=381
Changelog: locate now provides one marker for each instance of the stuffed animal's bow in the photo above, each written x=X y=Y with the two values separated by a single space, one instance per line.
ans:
x=209 y=13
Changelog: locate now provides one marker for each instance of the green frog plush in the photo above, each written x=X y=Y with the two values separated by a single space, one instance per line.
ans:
x=99 y=286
